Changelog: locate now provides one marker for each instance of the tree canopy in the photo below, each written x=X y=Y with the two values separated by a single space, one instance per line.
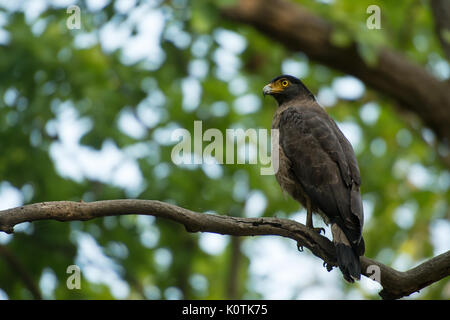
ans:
x=87 y=114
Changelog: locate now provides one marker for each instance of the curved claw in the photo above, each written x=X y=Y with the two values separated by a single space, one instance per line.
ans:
x=299 y=247
x=328 y=266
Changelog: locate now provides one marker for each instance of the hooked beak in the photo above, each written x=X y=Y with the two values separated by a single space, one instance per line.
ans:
x=267 y=90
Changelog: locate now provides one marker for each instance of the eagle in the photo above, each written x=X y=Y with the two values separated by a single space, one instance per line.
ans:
x=318 y=168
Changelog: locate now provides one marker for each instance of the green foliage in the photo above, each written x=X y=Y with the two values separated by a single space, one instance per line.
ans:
x=47 y=69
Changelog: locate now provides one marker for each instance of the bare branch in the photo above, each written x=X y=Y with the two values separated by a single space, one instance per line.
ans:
x=395 y=284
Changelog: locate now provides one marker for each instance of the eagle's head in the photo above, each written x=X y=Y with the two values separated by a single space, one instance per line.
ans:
x=285 y=88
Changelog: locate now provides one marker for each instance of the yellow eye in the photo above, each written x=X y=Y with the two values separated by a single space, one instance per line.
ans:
x=285 y=83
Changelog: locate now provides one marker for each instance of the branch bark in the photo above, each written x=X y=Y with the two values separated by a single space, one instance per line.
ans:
x=411 y=86
x=396 y=284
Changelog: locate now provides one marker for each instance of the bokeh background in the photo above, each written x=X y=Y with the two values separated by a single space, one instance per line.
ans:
x=88 y=114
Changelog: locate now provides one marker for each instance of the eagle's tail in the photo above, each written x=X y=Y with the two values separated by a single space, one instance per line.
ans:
x=347 y=255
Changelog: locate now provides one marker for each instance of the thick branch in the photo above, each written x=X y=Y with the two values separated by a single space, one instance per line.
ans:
x=395 y=284
x=414 y=88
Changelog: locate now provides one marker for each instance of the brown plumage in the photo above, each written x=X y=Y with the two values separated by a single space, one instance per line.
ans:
x=318 y=168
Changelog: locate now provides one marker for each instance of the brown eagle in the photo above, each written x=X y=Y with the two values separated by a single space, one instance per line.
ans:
x=318 y=168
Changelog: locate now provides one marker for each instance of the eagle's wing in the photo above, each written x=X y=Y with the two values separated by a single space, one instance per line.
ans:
x=323 y=161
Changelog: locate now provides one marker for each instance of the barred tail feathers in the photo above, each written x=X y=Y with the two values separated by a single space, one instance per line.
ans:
x=347 y=258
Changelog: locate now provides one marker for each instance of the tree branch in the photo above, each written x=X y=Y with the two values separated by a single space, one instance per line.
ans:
x=18 y=267
x=233 y=281
x=411 y=86
x=441 y=13
x=395 y=284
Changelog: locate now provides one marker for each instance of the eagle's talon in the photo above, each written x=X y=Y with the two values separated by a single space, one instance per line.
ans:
x=328 y=266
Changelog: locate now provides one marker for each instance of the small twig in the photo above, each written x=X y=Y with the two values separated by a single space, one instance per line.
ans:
x=395 y=284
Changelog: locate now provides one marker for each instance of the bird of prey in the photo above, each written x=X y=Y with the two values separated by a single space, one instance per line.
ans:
x=318 y=168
